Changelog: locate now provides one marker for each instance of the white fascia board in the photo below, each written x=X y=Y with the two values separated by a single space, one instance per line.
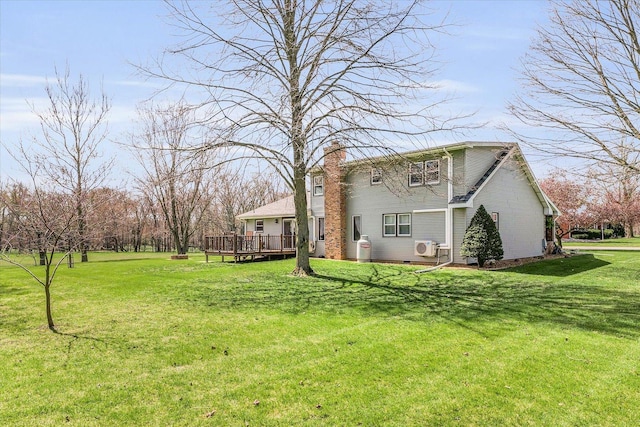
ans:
x=467 y=204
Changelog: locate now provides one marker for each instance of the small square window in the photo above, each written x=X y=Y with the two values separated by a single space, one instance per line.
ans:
x=318 y=185
x=416 y=174
x=376 y=176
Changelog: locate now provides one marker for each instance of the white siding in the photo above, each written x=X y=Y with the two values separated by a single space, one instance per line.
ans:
x=460 y=223
x=316 y=203
x=477 y=161
x=521 y=214
x=271 y=228
x=394 y=196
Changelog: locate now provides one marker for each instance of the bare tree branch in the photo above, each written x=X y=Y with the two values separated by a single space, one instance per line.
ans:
x=582 y=80
x=283 y=79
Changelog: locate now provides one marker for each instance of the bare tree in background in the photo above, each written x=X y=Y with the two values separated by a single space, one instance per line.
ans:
x=44 y=220
x=286 y=78
x=241 y=191
x=178 y=179
x=73 y=126
x=582 y=79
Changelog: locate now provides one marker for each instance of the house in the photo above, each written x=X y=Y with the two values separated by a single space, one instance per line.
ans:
x=415 y=207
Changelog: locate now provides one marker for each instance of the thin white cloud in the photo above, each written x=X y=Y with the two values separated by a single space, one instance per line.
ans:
x=17 y=115
x=455 y=86
x=21 y=80
x=136 y=83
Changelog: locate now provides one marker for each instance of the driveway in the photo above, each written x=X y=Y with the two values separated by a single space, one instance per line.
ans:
x=602 y=248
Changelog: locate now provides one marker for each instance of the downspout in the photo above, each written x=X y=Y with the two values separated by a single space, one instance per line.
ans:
x=448 y=216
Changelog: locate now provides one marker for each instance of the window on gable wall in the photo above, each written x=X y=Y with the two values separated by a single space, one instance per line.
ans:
x=376 y=176
x=318 y=185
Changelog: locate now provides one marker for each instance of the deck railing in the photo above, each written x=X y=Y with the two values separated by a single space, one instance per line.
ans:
x=256 y=244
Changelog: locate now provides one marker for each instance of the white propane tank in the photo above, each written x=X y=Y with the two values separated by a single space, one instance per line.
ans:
x=363 y=249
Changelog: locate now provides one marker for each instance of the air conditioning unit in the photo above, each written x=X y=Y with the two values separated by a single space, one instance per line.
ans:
x=425 y=248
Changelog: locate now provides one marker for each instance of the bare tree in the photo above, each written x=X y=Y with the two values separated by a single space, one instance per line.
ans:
x=73 y=126
x=178 y=179
x=240 y=191
x=582 y=79
x=287 y=78
x=44 y=221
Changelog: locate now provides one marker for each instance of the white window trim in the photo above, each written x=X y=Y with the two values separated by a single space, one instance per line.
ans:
x=385 y=225
x=396 y=225
x=376 y=173
x=416 y=174
x=262 y=221
x=323 y=228
x=435 y=170
x=318 y=185
x=353 y=228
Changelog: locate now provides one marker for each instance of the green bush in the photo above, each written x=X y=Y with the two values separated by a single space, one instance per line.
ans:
x=593 y=234
x=482 y=239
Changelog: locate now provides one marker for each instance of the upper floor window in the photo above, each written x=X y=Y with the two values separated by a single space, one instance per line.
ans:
x=416 y=174
x=432 y=171
x=427 y=172
x=376 y=176
x=318 y=185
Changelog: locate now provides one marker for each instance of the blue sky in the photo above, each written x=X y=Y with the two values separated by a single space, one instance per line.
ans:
x=100 y=40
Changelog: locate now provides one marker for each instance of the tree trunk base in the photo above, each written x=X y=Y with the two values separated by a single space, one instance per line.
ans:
x=301 y=272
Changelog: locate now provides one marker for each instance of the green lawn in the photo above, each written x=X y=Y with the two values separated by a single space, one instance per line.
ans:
x=151 y=341
x=622 y=242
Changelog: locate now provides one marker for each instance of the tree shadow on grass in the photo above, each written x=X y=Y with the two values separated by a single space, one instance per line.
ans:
x=561 y=267
x=466 y=299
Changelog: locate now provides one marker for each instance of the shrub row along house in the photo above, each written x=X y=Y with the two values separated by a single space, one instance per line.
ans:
x=415 y=207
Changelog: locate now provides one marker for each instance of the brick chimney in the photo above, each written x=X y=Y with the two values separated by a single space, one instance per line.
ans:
x=335 y=207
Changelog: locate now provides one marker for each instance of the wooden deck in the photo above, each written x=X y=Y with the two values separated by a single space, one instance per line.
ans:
x=243 y=247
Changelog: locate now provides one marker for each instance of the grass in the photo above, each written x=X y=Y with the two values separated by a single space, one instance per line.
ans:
x=151 y=341
x=621 y=242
